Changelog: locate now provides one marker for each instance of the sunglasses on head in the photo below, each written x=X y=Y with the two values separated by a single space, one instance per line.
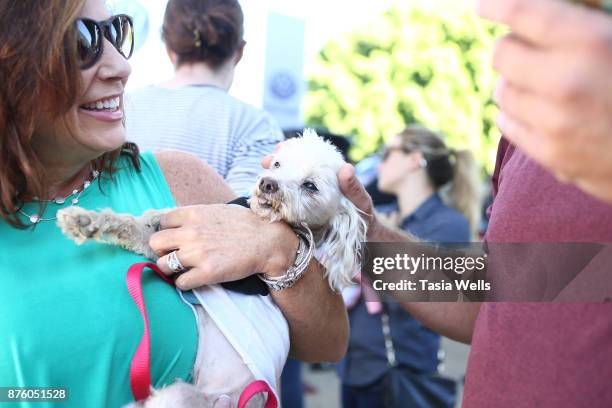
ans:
x=388 y=150
x=118 y=30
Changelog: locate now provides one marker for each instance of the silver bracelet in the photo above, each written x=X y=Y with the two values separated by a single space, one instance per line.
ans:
x=304 y=254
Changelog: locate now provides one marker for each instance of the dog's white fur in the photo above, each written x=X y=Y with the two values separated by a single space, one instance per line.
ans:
x=335 y=221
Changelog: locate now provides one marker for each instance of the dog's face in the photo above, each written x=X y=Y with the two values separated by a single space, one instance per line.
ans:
x=301 y=184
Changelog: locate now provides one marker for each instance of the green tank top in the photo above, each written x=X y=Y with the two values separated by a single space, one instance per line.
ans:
x=67 y=319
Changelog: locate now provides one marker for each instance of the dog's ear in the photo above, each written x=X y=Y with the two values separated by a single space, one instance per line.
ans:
x=341 y=247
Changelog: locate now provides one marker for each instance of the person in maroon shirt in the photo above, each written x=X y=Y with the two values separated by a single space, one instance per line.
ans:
x=556 y=99
x=538 y=354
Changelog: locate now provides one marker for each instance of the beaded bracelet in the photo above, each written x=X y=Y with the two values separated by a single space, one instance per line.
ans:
x=304 y=254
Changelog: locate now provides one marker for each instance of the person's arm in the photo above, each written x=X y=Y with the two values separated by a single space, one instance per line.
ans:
x=451 y=319
x=191 y=180
x=225 y=243
x=316 y=315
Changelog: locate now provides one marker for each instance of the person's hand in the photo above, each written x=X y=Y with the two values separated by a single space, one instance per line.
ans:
x=555 y=91
x=222 y=243
x=352 y=189
x=390 y=219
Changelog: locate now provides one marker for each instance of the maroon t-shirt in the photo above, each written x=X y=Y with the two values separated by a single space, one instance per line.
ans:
x=541 y=354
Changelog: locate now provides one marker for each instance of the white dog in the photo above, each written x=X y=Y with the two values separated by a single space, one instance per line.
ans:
x=301 y=186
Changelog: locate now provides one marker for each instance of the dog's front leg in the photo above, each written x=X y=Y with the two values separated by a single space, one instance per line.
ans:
x=125 y=230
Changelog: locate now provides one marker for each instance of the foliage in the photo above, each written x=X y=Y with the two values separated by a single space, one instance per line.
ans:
x=414 y=63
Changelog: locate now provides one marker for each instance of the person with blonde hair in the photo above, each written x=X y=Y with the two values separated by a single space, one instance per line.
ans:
x=418 y=166
x=422 y=172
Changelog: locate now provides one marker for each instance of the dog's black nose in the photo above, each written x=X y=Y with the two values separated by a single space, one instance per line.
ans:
x=268 y=185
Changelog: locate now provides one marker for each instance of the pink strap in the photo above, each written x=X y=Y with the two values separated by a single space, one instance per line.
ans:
x=254 y=388
x=140 y=367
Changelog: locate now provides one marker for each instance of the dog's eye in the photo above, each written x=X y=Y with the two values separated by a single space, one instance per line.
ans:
x=310 y=186
x=276 y=164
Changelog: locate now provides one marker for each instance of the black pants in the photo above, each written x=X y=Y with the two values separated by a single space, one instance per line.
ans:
x=369 y=396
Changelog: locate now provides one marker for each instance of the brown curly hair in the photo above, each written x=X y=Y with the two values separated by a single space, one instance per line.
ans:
x=39 y=72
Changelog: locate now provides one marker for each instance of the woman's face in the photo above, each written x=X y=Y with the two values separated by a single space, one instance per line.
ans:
x=395 y=167
x=89 y=129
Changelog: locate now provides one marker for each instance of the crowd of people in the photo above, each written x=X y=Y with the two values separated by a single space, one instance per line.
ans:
x=69 y=136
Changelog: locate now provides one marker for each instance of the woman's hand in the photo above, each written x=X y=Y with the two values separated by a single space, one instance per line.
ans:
x=555 y=91
x=220 y=243
x=225 y=243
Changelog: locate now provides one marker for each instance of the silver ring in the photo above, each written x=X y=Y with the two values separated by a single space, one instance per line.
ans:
x=174 y=263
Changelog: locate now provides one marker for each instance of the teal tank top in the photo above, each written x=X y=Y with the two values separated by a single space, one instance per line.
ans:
x=66 y=317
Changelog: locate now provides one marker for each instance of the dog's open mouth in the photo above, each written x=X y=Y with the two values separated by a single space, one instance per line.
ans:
x=267 y=202
x=263 y=203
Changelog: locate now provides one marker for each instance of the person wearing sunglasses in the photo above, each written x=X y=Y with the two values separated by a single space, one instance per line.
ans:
x=418 y=166
x=67 y=319
x=438 y=201
x=118 y=30
x=555 y=97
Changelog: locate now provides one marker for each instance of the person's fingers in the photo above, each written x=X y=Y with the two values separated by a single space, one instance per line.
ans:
x=165 y=241
x=162 y=263
x=549 y=150
x=527 y=66
x=194 y=278
x=352 y=188
x=546 y=22
x=176 y=218
x=521 y=135
x=266 y=161
x=529 y=108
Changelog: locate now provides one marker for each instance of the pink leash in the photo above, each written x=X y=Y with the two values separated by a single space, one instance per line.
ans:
x=140 y=367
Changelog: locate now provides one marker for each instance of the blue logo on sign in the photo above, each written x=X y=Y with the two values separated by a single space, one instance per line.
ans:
x=283 y=85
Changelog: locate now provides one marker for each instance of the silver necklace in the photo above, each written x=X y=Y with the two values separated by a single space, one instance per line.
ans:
x=76 y=194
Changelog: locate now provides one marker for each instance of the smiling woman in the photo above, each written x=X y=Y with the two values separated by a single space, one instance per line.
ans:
x=68 y=320
x=61 y=139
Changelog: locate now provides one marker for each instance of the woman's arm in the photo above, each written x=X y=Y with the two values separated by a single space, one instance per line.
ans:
x=454 y=320
x=224 y=243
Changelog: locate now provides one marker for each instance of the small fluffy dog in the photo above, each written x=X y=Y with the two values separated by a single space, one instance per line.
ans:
x=300 y=187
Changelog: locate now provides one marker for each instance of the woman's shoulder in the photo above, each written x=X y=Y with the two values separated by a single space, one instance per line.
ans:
x=443 y=223
x=452 y=214
x=191 y=180
x=207 y=101
x=450 y=225
x=146 y=92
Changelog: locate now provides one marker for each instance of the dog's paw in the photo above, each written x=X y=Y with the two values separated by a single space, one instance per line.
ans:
x=77 y=223
x=151 y=219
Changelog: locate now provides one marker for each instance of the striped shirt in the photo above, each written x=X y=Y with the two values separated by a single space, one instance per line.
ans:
x=230 y=135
